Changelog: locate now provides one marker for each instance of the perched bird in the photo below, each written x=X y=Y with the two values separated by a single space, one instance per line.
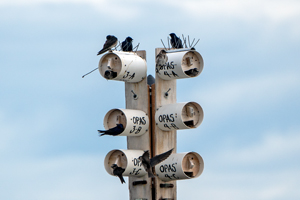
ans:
x=118 y=171
x=161 y=58
x=109 y=74
x=111 y=41
x=127 y=44
x=113 y=131
x=192 y=72
x=175 y=41
x=149 y=163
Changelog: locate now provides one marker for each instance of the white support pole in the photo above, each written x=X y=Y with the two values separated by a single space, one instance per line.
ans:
x=165 y=93
x=137 y=98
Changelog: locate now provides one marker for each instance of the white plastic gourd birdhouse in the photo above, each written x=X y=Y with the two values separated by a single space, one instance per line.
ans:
x=179 y=116
x=126 y=159
x=180 y=166
x=135 y=122
x=123 y=66
x=178 y=64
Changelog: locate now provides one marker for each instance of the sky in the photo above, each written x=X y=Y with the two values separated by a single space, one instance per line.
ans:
x=249 y=90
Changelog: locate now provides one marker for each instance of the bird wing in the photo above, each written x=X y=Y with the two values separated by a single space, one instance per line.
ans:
x=109 y=43
x=120 y=170
x=159 y=158
x=146 y=155
x=172 y=42
x=124 y=43
x=180 y=43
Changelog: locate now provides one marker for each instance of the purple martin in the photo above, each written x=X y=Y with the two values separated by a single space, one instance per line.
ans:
x=113 y=131
x=161 y=58
x=109 y=74
x=127 y=44
x=192 y=72
x=111 y=41
x=175 y=41
x=118 y=171
x=149 y=163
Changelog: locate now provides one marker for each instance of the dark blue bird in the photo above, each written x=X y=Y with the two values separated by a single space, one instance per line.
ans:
x=110 y=42
x=192 y=72
x=127 y=44
x=175 y=41
x=113 y=131
x=118 y=171
x=109 y=74
x=149 y=163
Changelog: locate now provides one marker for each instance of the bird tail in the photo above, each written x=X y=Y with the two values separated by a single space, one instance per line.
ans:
x=102 y=51
x=103 y=132
x=122 y=180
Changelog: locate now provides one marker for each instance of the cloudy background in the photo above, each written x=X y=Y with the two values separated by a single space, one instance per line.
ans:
x=249 y=90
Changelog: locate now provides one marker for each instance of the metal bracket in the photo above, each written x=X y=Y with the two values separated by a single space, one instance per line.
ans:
x=135 y=96
x=167 y=93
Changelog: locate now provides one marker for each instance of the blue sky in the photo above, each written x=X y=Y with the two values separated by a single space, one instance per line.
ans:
x=249 y=90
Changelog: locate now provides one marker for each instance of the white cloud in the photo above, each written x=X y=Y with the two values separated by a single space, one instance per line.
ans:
x=247 y=94
x=276 y=11
x=273 y=147
x=23 y=130
x=63 y=177
x=6 y=132
x=247 y=10
x=247 y=185
x=119 y=10
x=33 y=2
